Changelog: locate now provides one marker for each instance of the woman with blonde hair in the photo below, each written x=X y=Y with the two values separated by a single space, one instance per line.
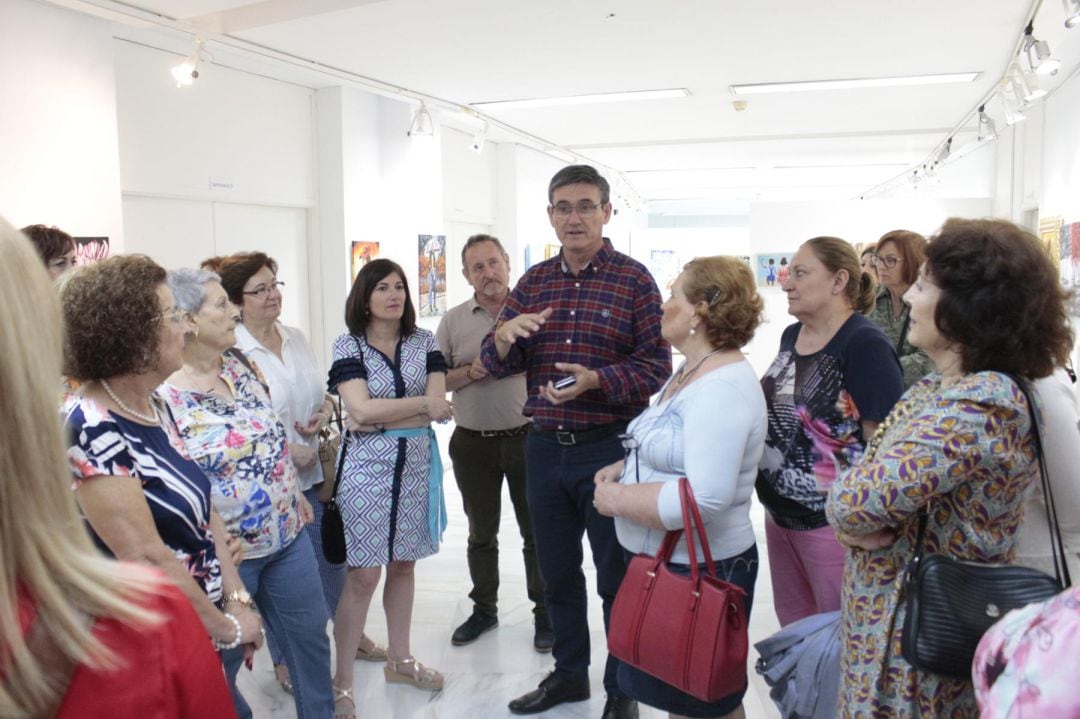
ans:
x=77 y=631
x=835 y=378
x=712 y=313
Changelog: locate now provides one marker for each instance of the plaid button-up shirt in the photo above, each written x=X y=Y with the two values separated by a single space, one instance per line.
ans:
x=606 y=318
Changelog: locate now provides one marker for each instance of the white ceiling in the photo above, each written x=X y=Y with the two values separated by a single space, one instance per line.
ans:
x=697 y=149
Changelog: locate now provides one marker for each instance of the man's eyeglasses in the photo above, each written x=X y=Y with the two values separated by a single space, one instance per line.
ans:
x=261 y=290
x=585 y=209
x=888 y=260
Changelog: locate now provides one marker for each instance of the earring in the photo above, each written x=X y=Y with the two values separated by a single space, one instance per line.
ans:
x=692 y=331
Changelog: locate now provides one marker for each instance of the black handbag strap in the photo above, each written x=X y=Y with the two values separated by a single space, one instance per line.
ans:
x=340 y=466
x=1057 y=545
x=903 y=332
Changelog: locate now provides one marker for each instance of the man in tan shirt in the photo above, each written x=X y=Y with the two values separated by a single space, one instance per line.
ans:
x=489 y=441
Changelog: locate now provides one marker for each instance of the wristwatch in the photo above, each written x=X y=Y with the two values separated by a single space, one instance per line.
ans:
x=240 y=596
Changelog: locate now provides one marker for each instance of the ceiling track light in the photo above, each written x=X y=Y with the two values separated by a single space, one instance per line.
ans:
x=1072 y=13
x=1025 y=85
x=1011 y=103
x=186 y=71
x=421 y=123
x=479 y=139
x=987 y=128
x=943 y=154
x=1038 y=54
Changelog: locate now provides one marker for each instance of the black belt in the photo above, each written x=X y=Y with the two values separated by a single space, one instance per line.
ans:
x=488 y=433
x=583 y=436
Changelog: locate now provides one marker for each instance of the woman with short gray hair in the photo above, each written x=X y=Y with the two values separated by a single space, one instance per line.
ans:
x=229 y=427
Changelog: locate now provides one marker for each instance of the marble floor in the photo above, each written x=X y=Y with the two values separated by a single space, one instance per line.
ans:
x=482 y=677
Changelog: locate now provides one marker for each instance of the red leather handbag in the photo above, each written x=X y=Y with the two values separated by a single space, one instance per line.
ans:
x=688 y=631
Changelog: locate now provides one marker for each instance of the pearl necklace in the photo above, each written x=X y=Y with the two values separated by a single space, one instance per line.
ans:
x=150 y=419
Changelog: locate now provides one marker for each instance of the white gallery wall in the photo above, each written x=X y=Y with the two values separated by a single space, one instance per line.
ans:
x=58 y=136
x=223 y=166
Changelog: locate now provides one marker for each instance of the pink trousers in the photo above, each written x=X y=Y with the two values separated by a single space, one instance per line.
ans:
x=807 y=568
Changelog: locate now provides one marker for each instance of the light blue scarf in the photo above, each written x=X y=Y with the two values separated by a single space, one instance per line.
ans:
x=436 y=499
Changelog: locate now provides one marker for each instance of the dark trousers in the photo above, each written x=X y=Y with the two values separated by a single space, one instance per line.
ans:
x=480 y=463
x=560 y=483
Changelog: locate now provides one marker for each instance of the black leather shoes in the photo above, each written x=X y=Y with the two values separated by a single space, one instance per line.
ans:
x=473 y=627
x=620 y=708
x=544 y=637
x=554 y=690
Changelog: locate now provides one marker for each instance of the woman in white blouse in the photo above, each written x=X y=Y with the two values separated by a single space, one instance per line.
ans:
x=708 y=424
x=297 y=391
x=1061 y=453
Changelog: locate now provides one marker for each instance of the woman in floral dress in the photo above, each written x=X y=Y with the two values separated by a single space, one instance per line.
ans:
x=957 y=447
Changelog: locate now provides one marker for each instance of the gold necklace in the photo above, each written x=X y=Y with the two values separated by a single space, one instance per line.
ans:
x=683 y=375
x=900 y=412
x=208 y=390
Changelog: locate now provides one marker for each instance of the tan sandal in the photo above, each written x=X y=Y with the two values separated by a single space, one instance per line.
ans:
x=343 y=695
x=414 y=673
x=375 y=654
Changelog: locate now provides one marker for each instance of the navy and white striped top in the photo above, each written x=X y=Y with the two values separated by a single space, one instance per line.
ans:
x=102 y=445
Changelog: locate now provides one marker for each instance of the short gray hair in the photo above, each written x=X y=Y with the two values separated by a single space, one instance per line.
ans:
x=189 y=287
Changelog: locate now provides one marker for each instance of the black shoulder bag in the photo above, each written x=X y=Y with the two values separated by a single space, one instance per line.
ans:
x=951 y=603
x=332 y=530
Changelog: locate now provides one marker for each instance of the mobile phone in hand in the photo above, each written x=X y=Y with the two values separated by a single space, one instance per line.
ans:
x=565 y=382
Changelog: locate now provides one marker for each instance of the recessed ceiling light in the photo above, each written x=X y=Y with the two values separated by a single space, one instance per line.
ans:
x=851 y=84
x=584 y=99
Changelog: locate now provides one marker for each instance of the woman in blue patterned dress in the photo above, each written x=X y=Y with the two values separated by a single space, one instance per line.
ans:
x=392 y=381
x=957 y=448
x=229 y=426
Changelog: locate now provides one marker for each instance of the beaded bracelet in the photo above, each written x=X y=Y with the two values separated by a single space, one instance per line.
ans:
x=222 y=646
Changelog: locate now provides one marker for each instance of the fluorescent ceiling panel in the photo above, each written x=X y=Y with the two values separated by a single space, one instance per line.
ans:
x=858 y=83
x=584 y=99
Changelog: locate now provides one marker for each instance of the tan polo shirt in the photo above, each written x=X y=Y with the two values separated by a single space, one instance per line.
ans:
x=488 y=403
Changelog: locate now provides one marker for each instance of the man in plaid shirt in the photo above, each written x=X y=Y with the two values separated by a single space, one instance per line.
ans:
x=587 y=320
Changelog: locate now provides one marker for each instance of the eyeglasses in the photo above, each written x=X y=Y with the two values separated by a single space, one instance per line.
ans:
x=261 y=290
x=585 y=209
x=889 y=261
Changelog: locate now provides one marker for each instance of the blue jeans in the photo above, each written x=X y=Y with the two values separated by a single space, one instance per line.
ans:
x=287 y=592
x=331 y=575
x=559 y=482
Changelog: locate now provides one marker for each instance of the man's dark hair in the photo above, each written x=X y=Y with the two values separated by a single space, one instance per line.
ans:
x=579 y=174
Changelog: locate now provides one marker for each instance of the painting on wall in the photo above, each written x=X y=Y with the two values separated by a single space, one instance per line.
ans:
x=363 y=253
x=551 y=250
x=89 y=250
x=772 y=270
x=1050 y=237
x=432 y=285
x=1069 y=267
x=664 y=266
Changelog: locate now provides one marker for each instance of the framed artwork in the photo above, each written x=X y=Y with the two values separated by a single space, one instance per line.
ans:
x=432 y=285
x=1050 y=236
x=771 y=270
x=664 y=267
x=363 y=253
x=551 y=251
x=89 y=250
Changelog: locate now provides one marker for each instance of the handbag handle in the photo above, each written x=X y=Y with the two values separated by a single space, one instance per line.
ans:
x=340 y=466
x=691 y=524
x=1057 y=545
